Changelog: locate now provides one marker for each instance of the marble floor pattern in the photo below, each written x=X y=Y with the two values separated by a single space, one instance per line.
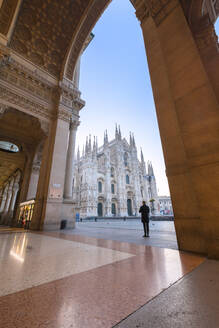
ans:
x=58 y=280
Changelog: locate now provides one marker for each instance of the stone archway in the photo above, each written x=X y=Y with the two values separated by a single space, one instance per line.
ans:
x=25 y=133
x=38 y=63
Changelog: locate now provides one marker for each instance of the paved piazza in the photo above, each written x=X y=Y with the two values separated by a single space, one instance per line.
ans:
x=60 y=280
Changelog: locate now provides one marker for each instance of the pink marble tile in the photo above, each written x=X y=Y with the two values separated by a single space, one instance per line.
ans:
x=99 y=297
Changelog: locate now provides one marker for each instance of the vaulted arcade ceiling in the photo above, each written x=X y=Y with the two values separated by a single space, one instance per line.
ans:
x=44 y=30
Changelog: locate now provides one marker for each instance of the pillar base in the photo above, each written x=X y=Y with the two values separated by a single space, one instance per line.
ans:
x=68 y=213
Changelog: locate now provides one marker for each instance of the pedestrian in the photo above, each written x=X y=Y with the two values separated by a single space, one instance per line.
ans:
x=145 y=210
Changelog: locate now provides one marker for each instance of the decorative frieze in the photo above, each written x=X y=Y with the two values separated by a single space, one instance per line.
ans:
x=22 y=101
x=26 y=79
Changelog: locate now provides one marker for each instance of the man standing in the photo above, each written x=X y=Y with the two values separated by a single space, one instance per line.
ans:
x=144 y=210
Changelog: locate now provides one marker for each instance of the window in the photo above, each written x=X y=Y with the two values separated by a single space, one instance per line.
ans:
x=112 y=172
x=100 y=186
x=113 y=208
x=126 y=159
x=127 y=179
x=112 y=188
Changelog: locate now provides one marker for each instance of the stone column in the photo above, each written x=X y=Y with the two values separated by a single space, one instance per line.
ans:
x=48 y=210
x=188 y=117
x=76 y=76
x=69 y=172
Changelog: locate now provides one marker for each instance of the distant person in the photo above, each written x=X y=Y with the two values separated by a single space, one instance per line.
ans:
x=145 y=210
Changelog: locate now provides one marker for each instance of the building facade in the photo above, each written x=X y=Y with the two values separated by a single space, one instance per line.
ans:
x=165 y=205
x=111 y=181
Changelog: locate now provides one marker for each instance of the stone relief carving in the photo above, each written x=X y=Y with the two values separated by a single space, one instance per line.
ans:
x=17 y=100
x=28 y=80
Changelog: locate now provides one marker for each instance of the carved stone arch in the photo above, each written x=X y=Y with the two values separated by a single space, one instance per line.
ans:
x=94 y=11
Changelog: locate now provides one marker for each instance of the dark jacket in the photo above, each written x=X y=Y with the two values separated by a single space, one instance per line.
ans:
x=144 y=210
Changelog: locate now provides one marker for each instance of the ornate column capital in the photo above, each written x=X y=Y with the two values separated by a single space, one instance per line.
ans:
x=70 y=96
x=74 y=124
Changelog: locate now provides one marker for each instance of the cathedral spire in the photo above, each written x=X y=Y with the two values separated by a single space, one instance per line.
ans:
x=78 y=154
x=130 y=139
x=150 y=169
x=105 y=138
x=120 y=135
x=86 y=146
x=142 y=157
x=133 y=140
x=96 y=144
x=116 y=133
x=89 y=146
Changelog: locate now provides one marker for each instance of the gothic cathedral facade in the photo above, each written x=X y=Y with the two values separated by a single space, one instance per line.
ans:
x=111 y=181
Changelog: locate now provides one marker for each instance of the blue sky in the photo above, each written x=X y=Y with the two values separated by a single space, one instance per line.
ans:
x=116 y=86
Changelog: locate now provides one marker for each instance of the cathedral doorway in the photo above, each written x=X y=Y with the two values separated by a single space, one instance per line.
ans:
x=113 y=209
x=129 y=207
x=100 y=209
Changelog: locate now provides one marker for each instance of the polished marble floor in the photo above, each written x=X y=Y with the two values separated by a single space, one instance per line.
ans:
x=59 y=280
